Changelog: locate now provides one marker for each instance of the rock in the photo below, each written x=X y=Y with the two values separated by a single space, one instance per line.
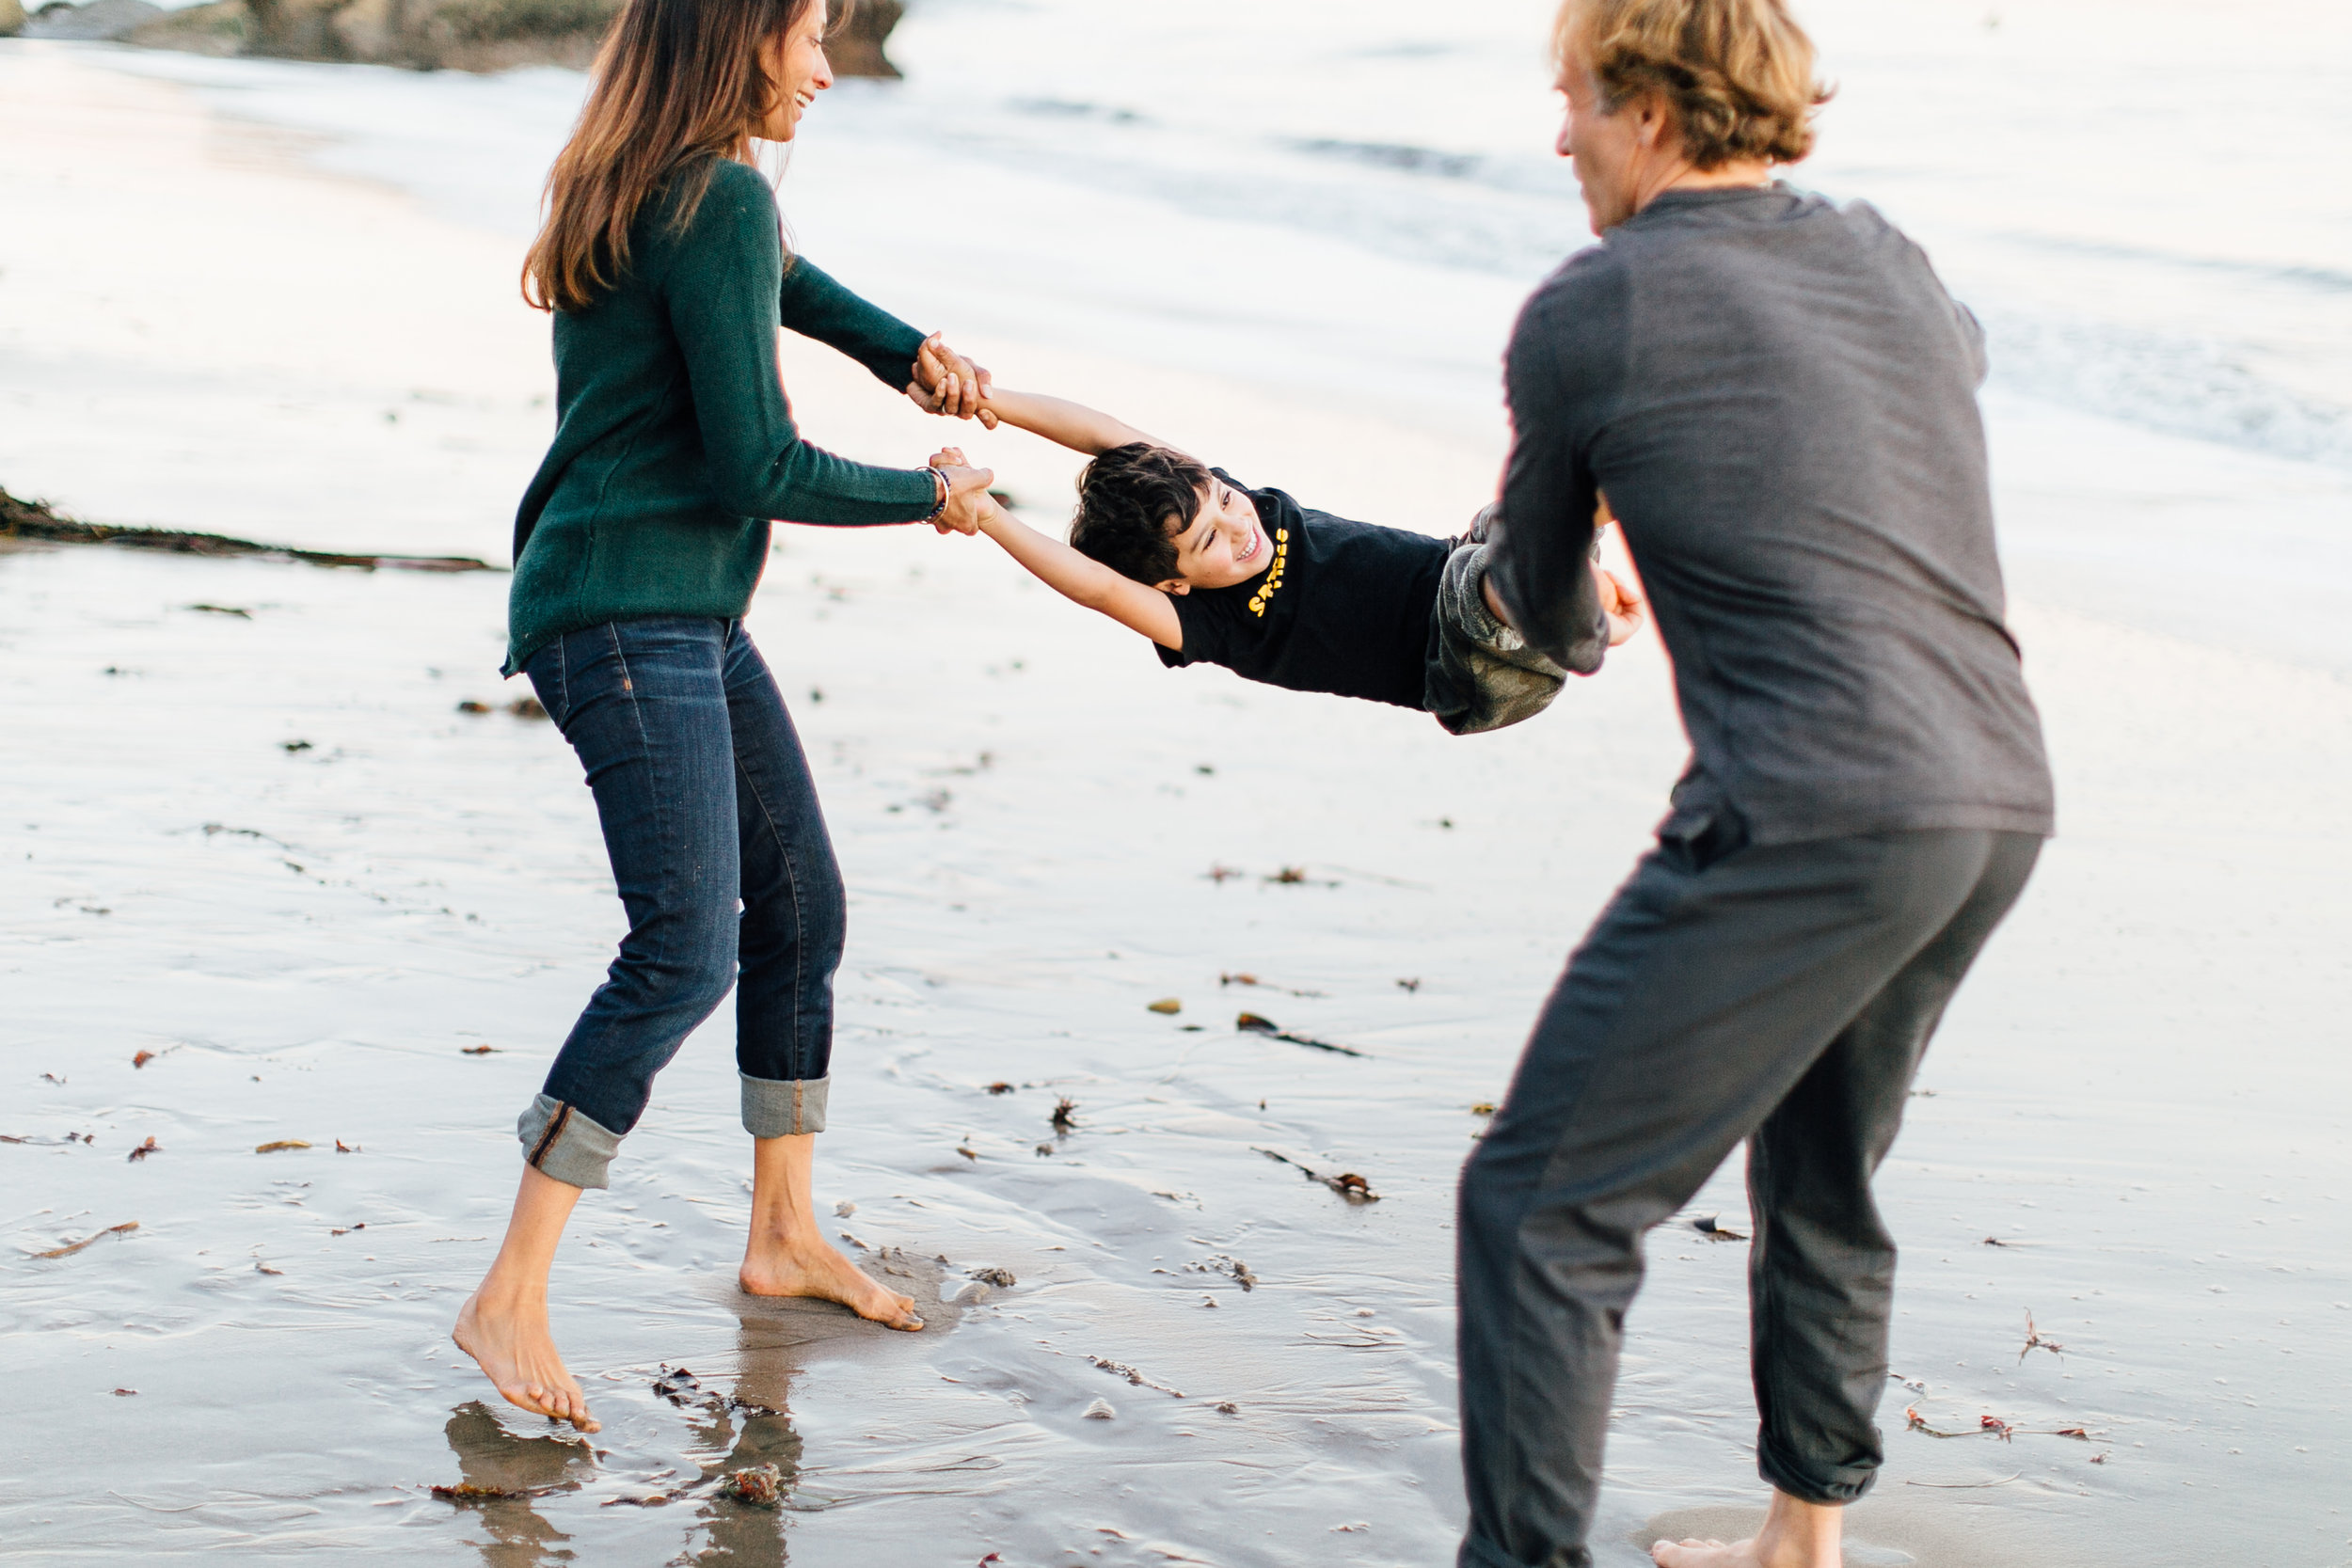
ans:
x=98 y=20
x=430 y=35
x=971 y=1295
x=1101 y=1411
x=760 y=1485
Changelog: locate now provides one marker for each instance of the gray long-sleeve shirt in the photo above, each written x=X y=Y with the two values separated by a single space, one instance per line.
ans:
x=1778 y=397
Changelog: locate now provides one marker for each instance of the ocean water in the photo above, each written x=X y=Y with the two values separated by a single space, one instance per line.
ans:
x=2144 y=205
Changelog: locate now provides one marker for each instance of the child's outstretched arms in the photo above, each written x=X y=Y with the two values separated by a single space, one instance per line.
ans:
x=1073 y=575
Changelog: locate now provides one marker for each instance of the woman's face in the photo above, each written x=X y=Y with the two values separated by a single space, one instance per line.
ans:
x=797 y=72
x=1613 y=154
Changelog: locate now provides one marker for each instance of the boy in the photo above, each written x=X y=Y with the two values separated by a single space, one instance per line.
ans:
x=1214 y=572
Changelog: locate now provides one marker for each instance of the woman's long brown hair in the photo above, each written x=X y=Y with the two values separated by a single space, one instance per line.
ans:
x=678 y=86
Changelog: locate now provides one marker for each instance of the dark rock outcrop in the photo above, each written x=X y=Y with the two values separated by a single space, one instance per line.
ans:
x=458 y=34
x=96 y=21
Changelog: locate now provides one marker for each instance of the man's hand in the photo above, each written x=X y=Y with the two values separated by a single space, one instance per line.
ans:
x=948 y=383
x=1626 y=609
x=969 y=504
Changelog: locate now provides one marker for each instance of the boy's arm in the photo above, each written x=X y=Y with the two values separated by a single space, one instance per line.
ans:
x=1070 y=424
x=1088 y=582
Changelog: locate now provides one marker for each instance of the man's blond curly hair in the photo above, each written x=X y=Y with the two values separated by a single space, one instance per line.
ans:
x=1736 y=74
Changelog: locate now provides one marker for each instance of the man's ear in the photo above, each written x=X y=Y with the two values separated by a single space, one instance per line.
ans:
x=1173 y=585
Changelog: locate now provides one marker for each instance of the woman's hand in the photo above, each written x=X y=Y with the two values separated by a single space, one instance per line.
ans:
x=946 y=383
x=969 y=504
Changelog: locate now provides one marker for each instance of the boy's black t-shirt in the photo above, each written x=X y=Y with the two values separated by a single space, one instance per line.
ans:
x=1344 y=607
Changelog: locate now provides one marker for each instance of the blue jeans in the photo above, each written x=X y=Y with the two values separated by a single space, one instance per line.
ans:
x=706 y=799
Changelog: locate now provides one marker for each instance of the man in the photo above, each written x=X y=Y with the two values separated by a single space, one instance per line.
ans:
x=1778 y=399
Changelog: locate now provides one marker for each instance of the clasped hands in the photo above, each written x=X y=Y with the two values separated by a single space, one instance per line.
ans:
x=947 y=384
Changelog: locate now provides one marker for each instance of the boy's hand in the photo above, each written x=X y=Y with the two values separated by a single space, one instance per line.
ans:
x=1625 y=607
x=969 y=504
x=948 y=383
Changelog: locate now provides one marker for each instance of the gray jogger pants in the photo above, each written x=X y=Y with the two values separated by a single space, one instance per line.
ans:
x=1783 y=994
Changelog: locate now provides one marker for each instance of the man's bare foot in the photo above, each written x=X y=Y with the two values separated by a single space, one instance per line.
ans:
x=510 y=1342
x=775 y=1267
x=1794 y=1535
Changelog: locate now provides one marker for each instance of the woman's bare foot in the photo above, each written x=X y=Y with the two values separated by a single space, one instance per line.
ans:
x=1794 y=1535
x=510 y=1342
x=774 y=1266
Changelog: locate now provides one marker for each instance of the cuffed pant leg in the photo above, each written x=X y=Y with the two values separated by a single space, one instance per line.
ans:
x=1701 y=998
x=1822 y=1265
x=794 y=910
x=642 y=705
x=565 y=1141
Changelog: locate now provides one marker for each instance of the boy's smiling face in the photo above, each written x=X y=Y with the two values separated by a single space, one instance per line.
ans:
x=1222 y=545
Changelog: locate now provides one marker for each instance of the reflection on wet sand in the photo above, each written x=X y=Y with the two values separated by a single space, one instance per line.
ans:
x=507 y=1472
x=751 y=1428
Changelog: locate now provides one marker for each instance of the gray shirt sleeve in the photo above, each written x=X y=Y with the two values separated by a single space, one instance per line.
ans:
x=1564 y=368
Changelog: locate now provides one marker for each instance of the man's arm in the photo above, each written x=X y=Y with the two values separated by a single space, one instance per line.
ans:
x=1559 y=367
x=1078 y=578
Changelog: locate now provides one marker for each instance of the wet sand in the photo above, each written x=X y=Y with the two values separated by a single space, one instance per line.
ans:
x=268 y=848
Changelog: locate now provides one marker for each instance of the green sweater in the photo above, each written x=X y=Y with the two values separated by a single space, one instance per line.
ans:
x=673 y=441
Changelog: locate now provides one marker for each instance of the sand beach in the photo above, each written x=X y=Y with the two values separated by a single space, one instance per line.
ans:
x=265 y=879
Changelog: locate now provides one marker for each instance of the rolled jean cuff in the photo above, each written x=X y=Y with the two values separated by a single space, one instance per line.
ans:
x=1842 y=1484
x=784 y=1107
x=561 y=1141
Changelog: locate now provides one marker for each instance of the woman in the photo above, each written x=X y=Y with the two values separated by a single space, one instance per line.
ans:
x=636 y=551
x=1779 y=399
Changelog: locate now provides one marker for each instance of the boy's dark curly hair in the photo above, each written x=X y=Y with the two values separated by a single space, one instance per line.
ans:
x=1133 y=501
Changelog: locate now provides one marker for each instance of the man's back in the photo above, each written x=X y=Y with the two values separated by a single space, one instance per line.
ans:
x=1778 y=399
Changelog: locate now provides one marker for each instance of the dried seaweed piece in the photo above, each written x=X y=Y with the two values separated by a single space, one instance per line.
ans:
x=467 y=1491
x=527 y=707
x=475 y=1050
x=470 y=705
x=260 y=1267
x=70 y=1248
x=1120 y=1368
x=2034 y=1341
x=1347 y=1183
x=143 y=1058
x=1248 y=979
x=754 y=1486
x=1000 y=1086
x=1289 y=876
x=342 y=1147
x=149 y=1146
x=1412 y=985
x=126 y=1393
x=276 y=1144
x=1065 y=1115
x=1251 y=1024
x=349 y=1228
x=1002 y=1279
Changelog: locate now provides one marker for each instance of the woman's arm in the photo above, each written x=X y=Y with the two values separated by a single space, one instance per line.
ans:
x=1088 y=582
x=724 y=272
x=814 y=305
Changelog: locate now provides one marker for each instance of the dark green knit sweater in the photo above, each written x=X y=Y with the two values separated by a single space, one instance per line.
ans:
x=674 y=442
